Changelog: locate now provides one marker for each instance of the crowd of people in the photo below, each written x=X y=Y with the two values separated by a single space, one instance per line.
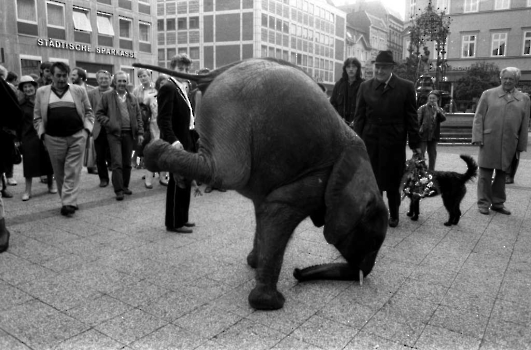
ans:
x=60 y=123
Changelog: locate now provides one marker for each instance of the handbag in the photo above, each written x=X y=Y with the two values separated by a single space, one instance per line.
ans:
x=16 y=156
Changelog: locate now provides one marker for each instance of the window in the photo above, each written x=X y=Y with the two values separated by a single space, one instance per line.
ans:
x=193 y=23
x=469 y=46
x=144 y=31
x=499 y=41
x=527 y=43
x=125 y=28
x=412 y=7
x=55 y=14
x=171 y=53
x=502 y=4
x=26 y=11
x=81 y=19
x=194 y=53
x=471 y=6
x=181 y=23
x=104 y=23
x=443 y=5
x=160 y=25
x=170 y=24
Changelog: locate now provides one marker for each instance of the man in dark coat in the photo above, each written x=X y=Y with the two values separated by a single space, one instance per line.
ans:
x=386 y=116
x=10 y=119
x=175 y=120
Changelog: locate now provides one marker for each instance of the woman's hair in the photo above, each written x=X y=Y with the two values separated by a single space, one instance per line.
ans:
x=159 y=81
x=436 y=93
x=140 y=71
x=349 y=61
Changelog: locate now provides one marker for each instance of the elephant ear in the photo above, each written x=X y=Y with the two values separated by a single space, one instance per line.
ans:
x=350 y=190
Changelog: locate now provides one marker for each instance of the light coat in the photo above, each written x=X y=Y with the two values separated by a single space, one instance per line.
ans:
x=42 y=99
x=500 y=124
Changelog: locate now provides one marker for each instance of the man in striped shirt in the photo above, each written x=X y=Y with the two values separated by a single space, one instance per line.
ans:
x=63 y=119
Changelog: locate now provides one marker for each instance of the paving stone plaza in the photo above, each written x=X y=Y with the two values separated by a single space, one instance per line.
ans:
x=111 y=277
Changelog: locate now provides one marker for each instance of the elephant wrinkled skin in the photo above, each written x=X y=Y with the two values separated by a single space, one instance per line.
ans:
x=267 y=131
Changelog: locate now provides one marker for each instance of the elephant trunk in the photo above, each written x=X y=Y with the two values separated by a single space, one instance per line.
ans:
x=161 y=156
x=333 y=271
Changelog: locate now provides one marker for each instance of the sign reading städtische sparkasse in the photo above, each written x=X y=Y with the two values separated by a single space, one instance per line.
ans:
x=58 y=44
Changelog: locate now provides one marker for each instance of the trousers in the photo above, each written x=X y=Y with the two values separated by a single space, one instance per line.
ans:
x=491 y=192
x=121 y=149
x=66 y=156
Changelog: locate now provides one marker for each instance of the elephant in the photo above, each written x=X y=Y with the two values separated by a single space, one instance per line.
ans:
x=267 y=131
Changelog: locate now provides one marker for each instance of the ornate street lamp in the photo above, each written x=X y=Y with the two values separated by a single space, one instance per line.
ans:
x=430 y=25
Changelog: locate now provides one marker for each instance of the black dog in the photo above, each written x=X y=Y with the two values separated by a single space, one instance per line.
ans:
x=418 y=182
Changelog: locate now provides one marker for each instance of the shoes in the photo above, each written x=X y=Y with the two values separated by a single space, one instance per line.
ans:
x=6 y=194
x=148 y=186
x=52 y=190
x=4 y=236
x=509 y=180
x=393 y=222
x=11 y=181
x=92 y=171
x=128 y=191
x=44 y=179
x=221 y=189
x=163 y=183
x=67 y=210
x=208 y=189
x=119 y=196
x=104 y=183
x=189 y=224
x=501 y=210
x=179 y=230
x=484 y=211
x=26 y=197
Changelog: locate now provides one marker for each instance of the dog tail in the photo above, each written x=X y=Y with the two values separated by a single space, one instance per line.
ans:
x=472 y=170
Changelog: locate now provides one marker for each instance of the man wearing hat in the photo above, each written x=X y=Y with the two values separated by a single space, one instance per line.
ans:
x=386 y=117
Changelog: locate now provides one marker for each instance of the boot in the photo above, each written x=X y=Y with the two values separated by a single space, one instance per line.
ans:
x=4 y=236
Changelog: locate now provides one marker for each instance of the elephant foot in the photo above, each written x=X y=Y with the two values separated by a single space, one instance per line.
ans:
x=262 y=298
x=252 y=259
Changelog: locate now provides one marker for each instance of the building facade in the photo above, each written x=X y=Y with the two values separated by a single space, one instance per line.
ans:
x=308 y=33
x=493 y=31
x=92 y=34
x=357 y=45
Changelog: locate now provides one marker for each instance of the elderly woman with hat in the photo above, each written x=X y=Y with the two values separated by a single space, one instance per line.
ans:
x=430 y=118
x=35 y=158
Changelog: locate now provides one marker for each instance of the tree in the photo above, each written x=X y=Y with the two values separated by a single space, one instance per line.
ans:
x=481 y=76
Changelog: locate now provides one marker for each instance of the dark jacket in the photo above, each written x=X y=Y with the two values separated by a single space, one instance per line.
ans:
x=344 y=98
x=109 y=116
x=94 y=97
x=430 y=122
x=174 y=115
x=385 y=119
x=10 y=119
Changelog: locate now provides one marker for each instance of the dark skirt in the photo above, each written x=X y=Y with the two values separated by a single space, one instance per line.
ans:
x=35 y=158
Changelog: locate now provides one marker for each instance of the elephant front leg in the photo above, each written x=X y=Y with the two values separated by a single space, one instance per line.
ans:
x=275 y=225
